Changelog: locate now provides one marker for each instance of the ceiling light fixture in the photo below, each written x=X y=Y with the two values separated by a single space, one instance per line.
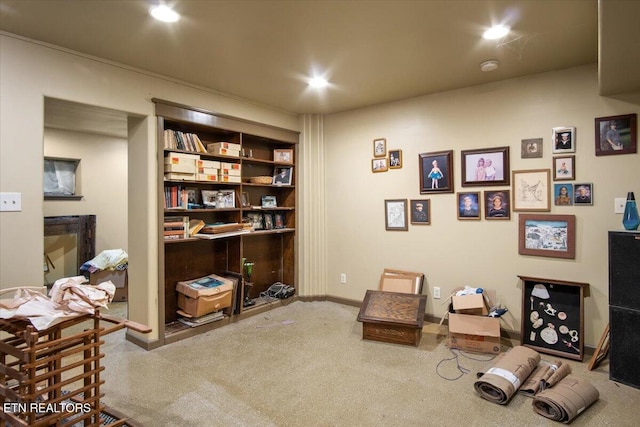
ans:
x=496 y=32
x=318 y=82
x=490 y=65
x=164 y=13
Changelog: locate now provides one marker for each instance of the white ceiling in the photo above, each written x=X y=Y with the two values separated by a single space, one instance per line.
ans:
x=371 y=51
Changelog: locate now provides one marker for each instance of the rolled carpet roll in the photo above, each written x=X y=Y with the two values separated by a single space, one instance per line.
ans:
x=566 y=400
x=499 y=383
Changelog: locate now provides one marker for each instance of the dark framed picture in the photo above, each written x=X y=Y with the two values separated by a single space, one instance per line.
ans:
x=395 y=159
x=283 y=175
x=489 y=166
x=278 y=220
x=564 y=168
x=380 y=147
x=563 y=139
x=379 y=165
x=256 y=220
x=436 y=172
x=583 y=194
x=209 y=198
x=469 y=205
x=553 y=316
x=497 y=205
x=268 y=221
x=531 y=148
x=547 y=235
x=531 y=190
x=562 y=194
x=616 y=135
x=395 y=214
x=269 y=202
x=420 y=212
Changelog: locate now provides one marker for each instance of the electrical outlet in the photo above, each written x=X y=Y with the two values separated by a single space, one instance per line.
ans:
x=10 y=202
x=620 y=202
x=343 y=278
x=436 y=292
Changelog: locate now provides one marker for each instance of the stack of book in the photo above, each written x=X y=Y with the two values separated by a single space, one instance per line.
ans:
x=176 y=227
x=176 y=140
x=202 y=320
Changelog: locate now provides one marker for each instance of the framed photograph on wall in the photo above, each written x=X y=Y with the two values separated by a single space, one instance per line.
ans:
x=546 y=235
x=563 y=194
x=379 y=165
x=564 y=168
x=583 y=194
x=436 y=172
x=497 y=205
x=420 y=212
x=563 y=139
x=395 y=159
x=395 y=214
x=531 y=148
x=616 y=135
x=489 y=166
x=531 y=190
x=380 y=147
x=552 y=319
x=468 y=205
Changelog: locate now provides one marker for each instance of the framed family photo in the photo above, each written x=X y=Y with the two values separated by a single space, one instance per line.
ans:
x=547 y=235
x=436 y=172
x=497 y=205
x=485 y=167
x=468 y=205
x=563 y=139
x=616 y=135
x=531 y=190
x=395 y=159
x=564 y=168
x=283 y=155
x=583 y=194
x=379 y=165
x=562 y=194
x=420 y=212
x=283 y=175
x=380 y=147
x=395 y=214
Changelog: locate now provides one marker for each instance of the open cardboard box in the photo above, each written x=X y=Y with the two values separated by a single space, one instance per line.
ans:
x=204 y=295
x=474 y=333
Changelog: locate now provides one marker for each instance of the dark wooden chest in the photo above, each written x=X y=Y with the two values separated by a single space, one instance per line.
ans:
x=392 y=317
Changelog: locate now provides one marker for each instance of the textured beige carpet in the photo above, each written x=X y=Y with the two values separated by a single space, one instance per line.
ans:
x=306 y=365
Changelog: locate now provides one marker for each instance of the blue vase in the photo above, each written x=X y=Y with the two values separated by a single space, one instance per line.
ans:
x=630 y=219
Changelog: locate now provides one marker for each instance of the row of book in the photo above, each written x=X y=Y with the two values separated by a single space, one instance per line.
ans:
x=176 y=227
x=177 y=140
x=181 y=227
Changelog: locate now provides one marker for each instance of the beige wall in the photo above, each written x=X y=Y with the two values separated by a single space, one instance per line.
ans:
x=455 y=253
x=31 y=71
x=102 y=181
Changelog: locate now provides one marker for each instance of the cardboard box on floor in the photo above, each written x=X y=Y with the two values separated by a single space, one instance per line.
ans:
x=117 y=277
x=204 y=295
x=470 y=328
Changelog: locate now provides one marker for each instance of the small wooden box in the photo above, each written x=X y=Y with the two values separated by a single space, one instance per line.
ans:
x=392 y=317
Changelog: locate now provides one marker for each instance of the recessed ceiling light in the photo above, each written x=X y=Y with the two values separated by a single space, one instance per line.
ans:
x=490 y=65
x=318 y=82
x=496 y=32
x=164 y=13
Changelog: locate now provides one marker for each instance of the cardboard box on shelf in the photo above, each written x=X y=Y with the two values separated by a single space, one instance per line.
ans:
x=474 y=333
x=204 y=295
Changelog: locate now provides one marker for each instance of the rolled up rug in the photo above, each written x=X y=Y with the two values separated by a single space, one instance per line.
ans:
x=566 y=400
x=544 y=376
x=499 y=383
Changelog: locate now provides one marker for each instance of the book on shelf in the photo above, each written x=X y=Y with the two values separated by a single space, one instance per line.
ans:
x=176 y=227
x=202 y=320
x=178 y=140
x=221 y=228
x=195 y=225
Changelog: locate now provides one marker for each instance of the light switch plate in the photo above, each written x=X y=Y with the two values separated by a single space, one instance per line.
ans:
x=619 y=204
x=10 y=202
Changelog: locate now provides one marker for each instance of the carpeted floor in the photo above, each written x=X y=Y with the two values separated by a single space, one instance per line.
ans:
x=306 y=364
